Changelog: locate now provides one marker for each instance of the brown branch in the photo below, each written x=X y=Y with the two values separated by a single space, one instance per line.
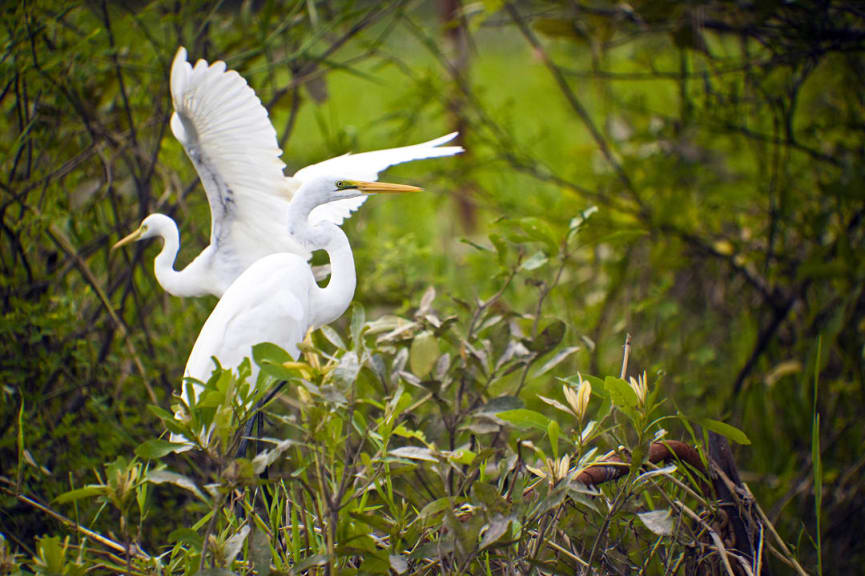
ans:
x=614 y=466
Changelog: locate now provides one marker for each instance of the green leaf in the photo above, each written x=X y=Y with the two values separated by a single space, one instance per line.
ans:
x=494 y=531
x=179 y=480
x=620 y=392
x=160 y=412
x=559 y=357
x=461 y=456
x=358 y=319
x=269 y=351
x=331 y=335
x=501 y=404
x=53 y=555
x=524 y=418
x=725 y=430
x=279 y=372
x=548 y=339
x=430 y=513
x=156 y=448
x=414 y=453
x=310 y=562
x=817 y=458
x=540 y=230
x=188 y=536
x=378 y=521
x=79 y=493
x=579 y=221
x=348 y=368
x=424 y=353
x=660 y=522
x=20 y=443
x=534 y=261
x=553 y=432
x=398 y=563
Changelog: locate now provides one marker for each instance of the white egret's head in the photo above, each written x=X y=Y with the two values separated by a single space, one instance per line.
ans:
x=151 y=227
x=324 y=189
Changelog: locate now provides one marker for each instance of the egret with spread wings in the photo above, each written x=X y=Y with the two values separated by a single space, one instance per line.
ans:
x=230 y=140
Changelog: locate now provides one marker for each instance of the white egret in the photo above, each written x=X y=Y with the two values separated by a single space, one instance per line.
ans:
x=227 y=135
x=277 y=298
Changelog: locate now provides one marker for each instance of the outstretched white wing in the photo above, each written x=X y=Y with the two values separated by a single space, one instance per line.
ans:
x=366 y=166
x=228 y=136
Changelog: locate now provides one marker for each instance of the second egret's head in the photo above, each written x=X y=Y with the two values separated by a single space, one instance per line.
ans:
x=324 y=189
x=151 y=227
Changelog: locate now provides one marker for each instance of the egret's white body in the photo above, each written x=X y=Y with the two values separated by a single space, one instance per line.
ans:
x=230 y=140
x=277 y=299
x=267 y=303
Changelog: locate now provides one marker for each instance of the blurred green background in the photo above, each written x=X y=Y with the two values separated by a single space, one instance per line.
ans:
x=721 y=143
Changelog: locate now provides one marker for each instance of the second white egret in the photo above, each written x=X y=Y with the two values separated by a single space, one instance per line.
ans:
x=277 y=299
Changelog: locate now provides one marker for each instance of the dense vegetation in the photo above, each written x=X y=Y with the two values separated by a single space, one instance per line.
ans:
x=686 y=173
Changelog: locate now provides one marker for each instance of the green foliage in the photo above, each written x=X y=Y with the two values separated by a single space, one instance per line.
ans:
x=689 y=173
x=373 y=466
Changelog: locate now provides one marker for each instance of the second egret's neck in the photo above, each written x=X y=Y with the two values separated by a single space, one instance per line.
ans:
x=183 y=283
x=330 y=302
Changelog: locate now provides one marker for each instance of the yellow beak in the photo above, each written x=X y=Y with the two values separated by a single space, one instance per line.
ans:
x=135 y=236
x=384 y=187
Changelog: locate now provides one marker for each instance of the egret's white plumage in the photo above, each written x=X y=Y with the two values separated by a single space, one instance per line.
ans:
x=277 y=298
x=230 y=140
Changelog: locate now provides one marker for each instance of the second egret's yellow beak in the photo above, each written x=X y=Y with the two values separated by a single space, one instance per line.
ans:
x=383 y=187
x=134 y=237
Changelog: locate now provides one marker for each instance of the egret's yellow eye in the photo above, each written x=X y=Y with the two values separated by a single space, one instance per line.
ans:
x=345 y=184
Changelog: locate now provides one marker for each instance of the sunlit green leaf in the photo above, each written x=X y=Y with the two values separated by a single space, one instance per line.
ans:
x=553 y=433
x=424 y=353
x=414 y=453
x=620 y=392
x=534 y=261
x=660 y=522
x=725 y=430
x=269 y=351
x=156 y=448
x=524 y=418
x=79 y=493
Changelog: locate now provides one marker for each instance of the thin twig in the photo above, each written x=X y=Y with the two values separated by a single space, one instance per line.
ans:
x=787 y=556
x=626 y=356
x=95 y=536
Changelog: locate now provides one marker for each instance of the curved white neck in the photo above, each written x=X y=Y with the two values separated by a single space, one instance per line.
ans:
x=182 y=283
x=330 y=302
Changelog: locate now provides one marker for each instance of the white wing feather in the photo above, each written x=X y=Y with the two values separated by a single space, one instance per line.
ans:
x=366 y=166
x=229 y=138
